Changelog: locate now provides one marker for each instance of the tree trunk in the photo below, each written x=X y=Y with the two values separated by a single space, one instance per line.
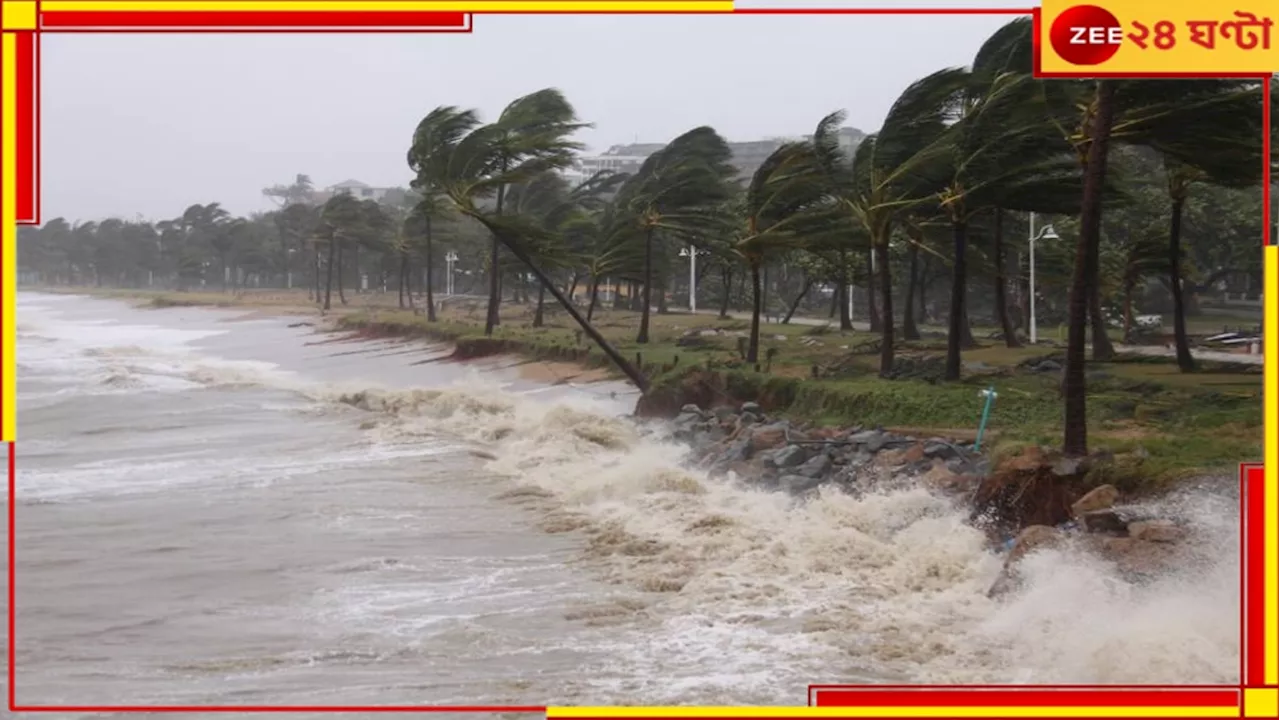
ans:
x=537 y=311
x=428 y=270
x=846 y=321
x=628 y=369
x=873 y=315
x=835 y=303
x=886 y=304
x=595 y=295
x=315 y=270
x=795 y=304
x=1002 y=286
x=1186 y=363
x=726 y=279
x=1128 y=310
x=328 y=271
x=643 y=336
x=1103 y=350
x=491 y=319
x=923 y=308
x=910 y=331
x=342 y=296
x=957 y=321
x=1075 y=437
x=753 y=344
x=404 y=262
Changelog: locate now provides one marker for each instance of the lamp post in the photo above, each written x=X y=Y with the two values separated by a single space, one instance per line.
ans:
x=449 y=260
x=1046 y=233
x=692 y=252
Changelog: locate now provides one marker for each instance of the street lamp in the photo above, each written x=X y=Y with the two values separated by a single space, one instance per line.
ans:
x=692 y=253
x=449 y=260
x=1046 y=233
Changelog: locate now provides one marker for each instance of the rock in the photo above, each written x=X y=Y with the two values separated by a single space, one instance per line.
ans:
x=1032 y=537
x=816 y=466
x=872 y=440
x=1070 y=467
x=790 y=456
x=797 y=484
x=747 y=419
x=767 y=437
x=1099 y=498
x=750 y=407
x=691 y=410
x=1107 y=522
x=936 y=448
x=724 y=412
x=1156 y=531
x=737 y=451
x=1134 y=558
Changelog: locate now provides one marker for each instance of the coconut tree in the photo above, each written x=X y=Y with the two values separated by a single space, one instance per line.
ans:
x=786 y=205
x=467 y=162
x=892 y=171
x=677 y=193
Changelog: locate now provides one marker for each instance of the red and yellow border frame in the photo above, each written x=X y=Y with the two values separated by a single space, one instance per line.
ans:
x=22 y=22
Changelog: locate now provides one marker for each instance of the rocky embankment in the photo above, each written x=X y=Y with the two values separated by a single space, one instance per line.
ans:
x=777 y=454
x=1031 y=501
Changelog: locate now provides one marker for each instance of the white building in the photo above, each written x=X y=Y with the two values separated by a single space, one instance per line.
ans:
x=362 y=191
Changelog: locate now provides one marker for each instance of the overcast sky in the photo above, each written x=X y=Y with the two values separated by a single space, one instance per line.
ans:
x=149 y=124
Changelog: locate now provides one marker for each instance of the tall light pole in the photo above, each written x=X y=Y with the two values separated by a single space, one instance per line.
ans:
x=1046 y=233
x=449 y=260
x=691 y=252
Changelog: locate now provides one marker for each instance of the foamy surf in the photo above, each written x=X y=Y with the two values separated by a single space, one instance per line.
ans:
x=543 y=547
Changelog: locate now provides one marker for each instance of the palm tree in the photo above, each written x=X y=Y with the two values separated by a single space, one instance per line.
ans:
x=677 y=192
x=465 y=161
x=785 y=206
x=340 y=220
x=892 y=171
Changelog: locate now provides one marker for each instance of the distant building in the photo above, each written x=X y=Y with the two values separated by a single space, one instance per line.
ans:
x=361 y=191
x=747 y=156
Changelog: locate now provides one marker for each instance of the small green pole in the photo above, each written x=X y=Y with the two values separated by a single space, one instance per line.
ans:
x=990 y=395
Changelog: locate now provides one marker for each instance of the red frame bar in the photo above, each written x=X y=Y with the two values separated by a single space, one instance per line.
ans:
x=240 y=20
x=856 y=696
x=1253 y=491
x=27 y=130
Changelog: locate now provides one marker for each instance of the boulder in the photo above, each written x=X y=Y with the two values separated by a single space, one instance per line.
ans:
x=767 y=437
x=750 y=407
x=816 y=467
x=790 y=456
x=1032 y=537
x=797 y=484
x=691 y=409
x=937 y=448
x=872 y=440
x=1156 y=531
x=1099 y=498
x=1107 y=522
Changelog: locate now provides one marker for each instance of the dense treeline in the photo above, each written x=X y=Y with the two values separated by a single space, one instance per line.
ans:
x=1153 y=187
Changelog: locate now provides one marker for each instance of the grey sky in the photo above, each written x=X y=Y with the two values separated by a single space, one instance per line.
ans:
x=149 y=124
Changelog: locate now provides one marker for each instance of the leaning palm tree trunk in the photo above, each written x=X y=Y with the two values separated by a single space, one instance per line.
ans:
x=1075 y=437
x=628 y=369
x=795 y=304
x=328 y=272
